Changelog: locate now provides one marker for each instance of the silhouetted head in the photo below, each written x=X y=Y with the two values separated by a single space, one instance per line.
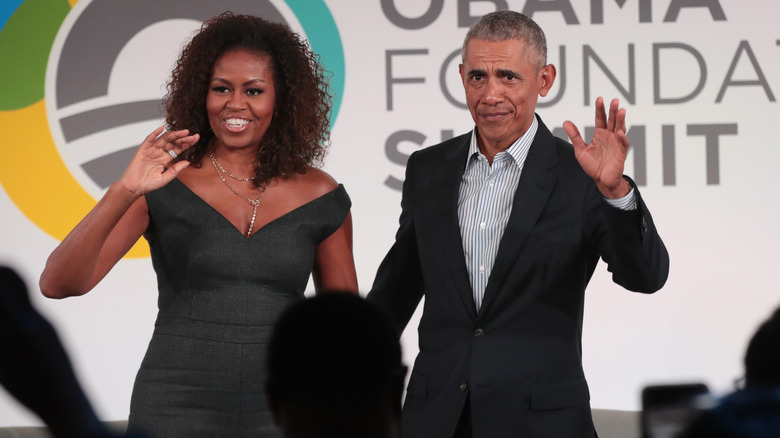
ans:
x=334 y=369
x=762 y=361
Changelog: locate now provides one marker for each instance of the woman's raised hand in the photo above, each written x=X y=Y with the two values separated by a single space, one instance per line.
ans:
x=153 y=164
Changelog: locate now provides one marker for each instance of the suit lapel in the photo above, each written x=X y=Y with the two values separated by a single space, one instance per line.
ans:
x=536 y=183
x=449 y=176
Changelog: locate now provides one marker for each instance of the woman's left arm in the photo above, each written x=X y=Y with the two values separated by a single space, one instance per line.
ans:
x=334 y=264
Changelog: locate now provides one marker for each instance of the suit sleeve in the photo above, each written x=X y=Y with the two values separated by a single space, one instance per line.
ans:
x=630 y=245
x=398 y=286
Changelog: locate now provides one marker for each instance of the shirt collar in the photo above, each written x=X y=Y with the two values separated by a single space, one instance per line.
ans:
x=518 y=150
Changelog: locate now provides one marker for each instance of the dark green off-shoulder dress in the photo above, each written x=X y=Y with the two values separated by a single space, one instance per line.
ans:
x=219 y=295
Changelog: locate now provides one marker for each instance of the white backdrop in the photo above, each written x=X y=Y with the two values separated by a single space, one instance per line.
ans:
x=699 y=84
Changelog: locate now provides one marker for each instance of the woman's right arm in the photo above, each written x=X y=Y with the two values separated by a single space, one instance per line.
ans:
x=96 y=244
x=110 y=229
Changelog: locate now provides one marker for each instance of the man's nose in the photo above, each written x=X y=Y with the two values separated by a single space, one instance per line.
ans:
x=494 y=92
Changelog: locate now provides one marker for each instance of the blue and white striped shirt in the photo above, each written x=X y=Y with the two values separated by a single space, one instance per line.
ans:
x=485 y=201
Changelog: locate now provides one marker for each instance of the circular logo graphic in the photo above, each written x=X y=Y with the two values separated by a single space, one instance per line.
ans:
x=87 y=89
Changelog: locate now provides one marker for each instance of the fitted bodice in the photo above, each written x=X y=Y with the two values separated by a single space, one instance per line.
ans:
x=215 y=281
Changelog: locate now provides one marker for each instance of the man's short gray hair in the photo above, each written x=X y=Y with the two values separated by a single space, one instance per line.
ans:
x=509 y=25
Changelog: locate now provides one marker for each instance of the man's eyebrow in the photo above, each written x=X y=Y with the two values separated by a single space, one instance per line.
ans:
x=507 y=72
x=476 y=72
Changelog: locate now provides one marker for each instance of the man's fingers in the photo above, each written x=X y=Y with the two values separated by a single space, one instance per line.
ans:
x=601 y=115
x=613 y=111
x=574 y=134
x=620 y=121
x=621 y=135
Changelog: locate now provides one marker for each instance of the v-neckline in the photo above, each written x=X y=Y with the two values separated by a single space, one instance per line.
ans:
x=257 y=231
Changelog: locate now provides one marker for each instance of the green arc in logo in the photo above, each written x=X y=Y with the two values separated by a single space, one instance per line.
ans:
x=25 y=42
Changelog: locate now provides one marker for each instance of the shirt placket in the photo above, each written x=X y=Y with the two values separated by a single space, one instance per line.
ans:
x=486 y=221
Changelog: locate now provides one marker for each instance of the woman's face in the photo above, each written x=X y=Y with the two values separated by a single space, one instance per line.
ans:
x=241 y=96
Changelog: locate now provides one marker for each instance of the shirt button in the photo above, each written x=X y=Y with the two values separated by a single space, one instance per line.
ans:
x=481 y=269
x=483 y=225
x=463 y=386
x=491 y=183
x=478 y=333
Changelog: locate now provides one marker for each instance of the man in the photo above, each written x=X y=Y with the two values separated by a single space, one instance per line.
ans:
x=500 y=230
x=334 y=370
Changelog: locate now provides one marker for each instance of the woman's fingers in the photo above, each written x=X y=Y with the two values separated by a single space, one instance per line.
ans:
x=181 y=144
x=172 y=143
x=154 y=135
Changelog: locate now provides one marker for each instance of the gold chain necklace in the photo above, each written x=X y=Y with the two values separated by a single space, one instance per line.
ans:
x=255 y=202
x=223 y=170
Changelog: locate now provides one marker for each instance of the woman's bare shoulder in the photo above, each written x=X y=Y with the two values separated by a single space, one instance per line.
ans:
x=316 y=182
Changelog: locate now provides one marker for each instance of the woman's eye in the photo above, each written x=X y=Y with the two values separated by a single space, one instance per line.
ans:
x=254 y=91
x=220 y=89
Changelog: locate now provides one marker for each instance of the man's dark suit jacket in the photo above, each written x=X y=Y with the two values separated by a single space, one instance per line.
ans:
x=519 y=358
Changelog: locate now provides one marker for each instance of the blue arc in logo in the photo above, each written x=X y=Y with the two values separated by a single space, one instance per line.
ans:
x=323 y=35
x=7 y=9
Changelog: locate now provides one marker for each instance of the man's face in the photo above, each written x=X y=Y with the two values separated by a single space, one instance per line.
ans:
x=502 y=86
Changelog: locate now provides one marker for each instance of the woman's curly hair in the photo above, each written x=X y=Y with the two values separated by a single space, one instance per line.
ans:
x=298 y=134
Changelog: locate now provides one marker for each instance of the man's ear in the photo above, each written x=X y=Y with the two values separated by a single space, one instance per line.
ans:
x=546 y=78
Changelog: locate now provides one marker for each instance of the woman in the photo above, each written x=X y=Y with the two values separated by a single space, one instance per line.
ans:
x=233 y=237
